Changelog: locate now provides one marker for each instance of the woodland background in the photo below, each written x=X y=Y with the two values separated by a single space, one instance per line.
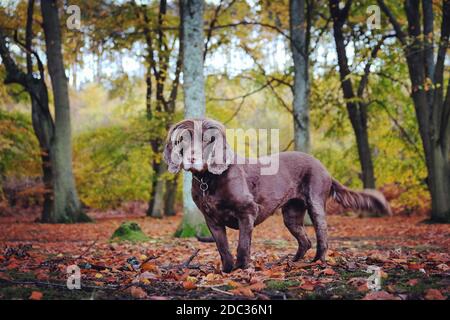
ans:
x=361 y=85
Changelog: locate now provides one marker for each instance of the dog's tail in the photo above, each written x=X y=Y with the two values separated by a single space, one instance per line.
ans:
x=366 y=200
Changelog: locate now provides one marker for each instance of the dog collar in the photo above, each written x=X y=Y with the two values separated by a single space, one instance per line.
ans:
x=203 y=184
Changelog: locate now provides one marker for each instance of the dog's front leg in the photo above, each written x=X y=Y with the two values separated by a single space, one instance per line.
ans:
x=246 y=224
x=219 y=234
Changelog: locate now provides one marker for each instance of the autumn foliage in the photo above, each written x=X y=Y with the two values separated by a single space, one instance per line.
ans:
x=413 y=257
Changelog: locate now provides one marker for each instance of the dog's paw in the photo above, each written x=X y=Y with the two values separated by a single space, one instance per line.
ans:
x=227 y=267
x=243 y=265
x=319 y=259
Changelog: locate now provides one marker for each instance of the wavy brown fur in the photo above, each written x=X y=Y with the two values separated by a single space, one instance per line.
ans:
x=367 y=200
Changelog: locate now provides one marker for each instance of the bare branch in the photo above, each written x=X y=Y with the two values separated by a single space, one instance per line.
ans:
x=176 y=81
x=373 y=54
x=32 y=52
x=241 y=96
x=322 y=31
x=402 y=130
x=13 y=73
x=397 y=27
x=253 y=23
x=29 y=36
x=211 y=26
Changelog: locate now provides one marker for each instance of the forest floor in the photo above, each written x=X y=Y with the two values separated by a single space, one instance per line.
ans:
x=414 y=261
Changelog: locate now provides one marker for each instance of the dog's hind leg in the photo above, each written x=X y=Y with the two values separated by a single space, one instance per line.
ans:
x=293 y=215
x=316 y=209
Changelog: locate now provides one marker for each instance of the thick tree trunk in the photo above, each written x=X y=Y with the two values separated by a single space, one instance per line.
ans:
x=194 y=102
x=44 y=129
x=48 y=185
x=300 y=55
x=429 y=104
x=437 y=158
x=362 y=143
x=439 y=184
x=432 y=109
x=67 y=207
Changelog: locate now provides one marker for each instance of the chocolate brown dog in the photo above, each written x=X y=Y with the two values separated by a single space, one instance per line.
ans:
x=232 y=192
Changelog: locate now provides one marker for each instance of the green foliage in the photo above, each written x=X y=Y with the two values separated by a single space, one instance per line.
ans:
x=112 y=166
x=112 y=153
x=19 y=149
x=186 y=230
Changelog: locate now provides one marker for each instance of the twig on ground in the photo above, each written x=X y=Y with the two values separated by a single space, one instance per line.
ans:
x=278 y=262
x=187 y=264
x=189 y=260
x=221 y=291
x=88 y=248
x=149 y=259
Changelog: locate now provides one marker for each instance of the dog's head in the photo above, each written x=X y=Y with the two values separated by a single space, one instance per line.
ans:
x=197 y=145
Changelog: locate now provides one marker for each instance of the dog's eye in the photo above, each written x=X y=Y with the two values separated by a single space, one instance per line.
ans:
x=178 y=141
x=181 y=152
x=212 y=139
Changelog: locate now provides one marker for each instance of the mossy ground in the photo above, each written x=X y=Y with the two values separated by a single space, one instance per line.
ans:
x=186 y=230
x=129 y=231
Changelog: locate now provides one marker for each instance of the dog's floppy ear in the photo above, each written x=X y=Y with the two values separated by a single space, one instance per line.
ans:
x=171 y=156
x=219 y=154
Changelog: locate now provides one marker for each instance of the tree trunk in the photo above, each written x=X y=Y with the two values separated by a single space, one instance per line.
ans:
x=170 y=197
x=362 y=143
x=67 y=207
x=300 y=56
x=154 y=181
x=299 y=29
x=44 y=129
x=148 y=93
x=432 y=109
x=48 y=185
x=439 y=184
x=194 y=103
x=357 y=111
x=156 y=205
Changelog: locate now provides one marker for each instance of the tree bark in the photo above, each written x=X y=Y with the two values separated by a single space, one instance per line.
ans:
x=194 y=102
x=429 y=105
x=156 y=204
x=300 y=29
x=67 y=207
x=432 y=107
x=44 y=129
x=170 y=197
x=300 y=57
